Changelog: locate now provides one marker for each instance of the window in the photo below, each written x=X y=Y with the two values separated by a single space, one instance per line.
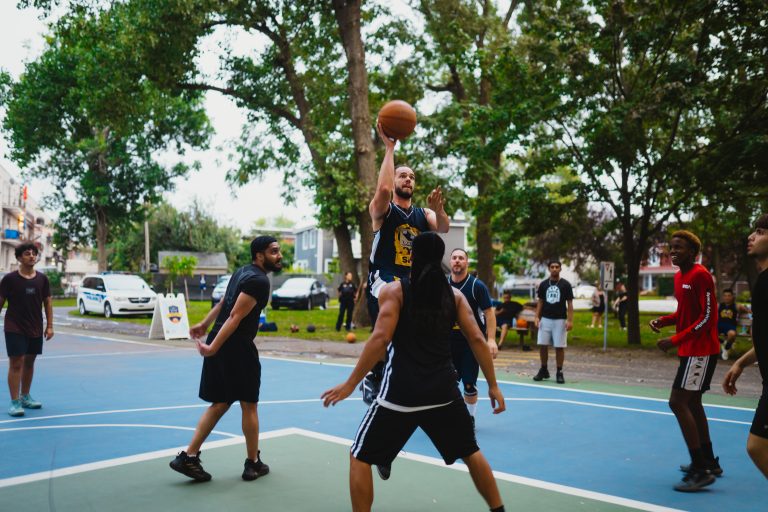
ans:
x=312 y=239
x=304 y=240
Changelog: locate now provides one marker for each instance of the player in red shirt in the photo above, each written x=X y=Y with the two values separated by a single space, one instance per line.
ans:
x=697 y=345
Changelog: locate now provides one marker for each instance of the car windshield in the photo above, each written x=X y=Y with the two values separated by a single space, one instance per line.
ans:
x=223 y=280
x=297 y=283
x=126 y=283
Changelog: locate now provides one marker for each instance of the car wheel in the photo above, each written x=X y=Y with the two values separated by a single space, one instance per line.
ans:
x=81 y=308
x=324 y=304
x=107 y=310
x=309 y=303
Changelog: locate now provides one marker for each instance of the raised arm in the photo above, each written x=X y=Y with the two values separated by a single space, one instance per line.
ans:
x=436 y=217
x=385 y=185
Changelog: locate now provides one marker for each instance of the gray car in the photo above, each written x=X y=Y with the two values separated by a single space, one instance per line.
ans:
x=220 y=289
x=300 y=293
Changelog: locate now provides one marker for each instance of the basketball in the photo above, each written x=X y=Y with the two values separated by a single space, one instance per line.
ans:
x=398 y=119
x=351 y=338
x=522 y=322
x=311 y=328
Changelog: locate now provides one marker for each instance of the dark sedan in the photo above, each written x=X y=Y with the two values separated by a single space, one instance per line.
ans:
x=300 y=293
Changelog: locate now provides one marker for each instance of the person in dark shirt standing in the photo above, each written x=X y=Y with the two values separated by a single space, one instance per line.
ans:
x=554 y=318
x=347 y=299
x=419 y=389
x=26 y=291
x=757 y=442
x=697 y=348
x=231 y=368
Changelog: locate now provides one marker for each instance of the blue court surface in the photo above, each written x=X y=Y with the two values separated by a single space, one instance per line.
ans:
x=110 y=403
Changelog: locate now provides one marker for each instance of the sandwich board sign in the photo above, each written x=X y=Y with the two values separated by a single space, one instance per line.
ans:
x=170 y=320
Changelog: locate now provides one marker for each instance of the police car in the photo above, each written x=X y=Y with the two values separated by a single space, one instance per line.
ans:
x=115 y=294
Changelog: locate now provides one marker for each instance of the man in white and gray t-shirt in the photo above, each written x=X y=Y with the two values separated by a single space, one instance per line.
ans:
x=554 y=318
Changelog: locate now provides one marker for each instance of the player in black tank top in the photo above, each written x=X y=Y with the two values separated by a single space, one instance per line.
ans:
x=419 y=388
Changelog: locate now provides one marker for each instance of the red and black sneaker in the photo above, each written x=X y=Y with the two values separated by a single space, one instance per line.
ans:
x=190 y=466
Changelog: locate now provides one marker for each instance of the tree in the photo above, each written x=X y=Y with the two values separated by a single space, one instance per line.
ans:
x=646 y=101
x=179 y=266
x=85 y=116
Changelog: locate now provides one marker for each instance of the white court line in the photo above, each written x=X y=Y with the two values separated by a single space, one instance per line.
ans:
x=159 y=454
x=112 y=425
x=151 y=409
x=98 y=354
x=508 y=477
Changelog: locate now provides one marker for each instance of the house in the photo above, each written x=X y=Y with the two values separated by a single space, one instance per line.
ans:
x=316 y=248
x=21 y=218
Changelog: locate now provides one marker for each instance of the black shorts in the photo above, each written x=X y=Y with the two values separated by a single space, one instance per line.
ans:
x=19 y=345
x=723 y=328
x=598 y=309
x=383 y=432
x=760 y=423
x=509 y=322
x=695 y=373
x=467 y=367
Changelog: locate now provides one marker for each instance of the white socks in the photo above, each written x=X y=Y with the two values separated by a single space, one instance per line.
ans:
x=472 y=408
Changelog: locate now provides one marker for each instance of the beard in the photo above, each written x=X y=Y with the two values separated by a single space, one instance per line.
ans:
x=272 y=266
x=403 y=194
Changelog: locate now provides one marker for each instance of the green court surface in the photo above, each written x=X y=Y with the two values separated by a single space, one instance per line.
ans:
x=308 y=473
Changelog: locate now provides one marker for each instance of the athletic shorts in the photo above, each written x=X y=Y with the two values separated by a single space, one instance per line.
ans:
x=510 y=322
x=552 y=332
x=724 y=327
x=383 y=432
x=19 y=345
x=760 y=423
x=467 y=367
x=695 y=373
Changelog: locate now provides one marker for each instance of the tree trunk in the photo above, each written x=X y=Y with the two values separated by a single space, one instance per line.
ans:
x=102 y=235
x=347 y=14
x=186 y=291
x=346 y=257
x=718 y=270
x=484 y=241
x=632 y=256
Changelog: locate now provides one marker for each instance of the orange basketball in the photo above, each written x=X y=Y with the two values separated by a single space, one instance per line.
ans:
x=351 y=338
x=522 y=322
x=398 y=119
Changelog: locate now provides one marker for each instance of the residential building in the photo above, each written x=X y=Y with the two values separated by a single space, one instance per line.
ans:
x=208 y=263
x=21 y=218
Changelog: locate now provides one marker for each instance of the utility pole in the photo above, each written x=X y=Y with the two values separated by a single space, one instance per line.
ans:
x=146 y=246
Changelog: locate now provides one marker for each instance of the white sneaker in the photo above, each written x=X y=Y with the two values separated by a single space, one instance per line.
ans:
x=724 y=354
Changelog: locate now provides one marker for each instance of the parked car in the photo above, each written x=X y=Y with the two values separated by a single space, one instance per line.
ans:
x=220 y=289
x=115 y=294
x=300 y=293
x=583 y=291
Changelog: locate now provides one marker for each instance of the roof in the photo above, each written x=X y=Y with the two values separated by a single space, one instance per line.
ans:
x=204 y=259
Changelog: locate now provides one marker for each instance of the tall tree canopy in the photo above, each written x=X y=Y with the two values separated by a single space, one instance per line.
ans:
x=86 y=116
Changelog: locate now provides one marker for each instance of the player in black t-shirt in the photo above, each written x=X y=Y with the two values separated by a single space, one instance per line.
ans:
x=757 y=442
x=554 y=318
x=26 y=291
x=231 y=368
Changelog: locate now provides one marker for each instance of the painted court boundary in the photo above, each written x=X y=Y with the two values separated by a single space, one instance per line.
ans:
x=235 y=440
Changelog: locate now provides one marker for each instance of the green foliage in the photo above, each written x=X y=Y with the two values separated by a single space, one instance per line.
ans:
x=85 y=116
x=178 y=266
x=193 y=230
x=54 y=279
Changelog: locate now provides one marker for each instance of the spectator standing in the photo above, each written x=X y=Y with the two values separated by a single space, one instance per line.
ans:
x=347 y=298
x=620 y=304
x=554 y=318
x=598 y=306
x=26 y=291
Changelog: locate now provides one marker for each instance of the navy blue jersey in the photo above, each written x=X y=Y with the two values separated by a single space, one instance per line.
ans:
x=479 y=300
x=391 y=251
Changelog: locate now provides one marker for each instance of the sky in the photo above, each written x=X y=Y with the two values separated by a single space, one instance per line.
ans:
x=21 y=40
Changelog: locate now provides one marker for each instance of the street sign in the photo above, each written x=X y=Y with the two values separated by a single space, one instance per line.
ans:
x=606 y=275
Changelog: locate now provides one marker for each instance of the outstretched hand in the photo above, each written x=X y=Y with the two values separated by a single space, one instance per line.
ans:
x=436 y=201
x=655 y=325
x=336 y=394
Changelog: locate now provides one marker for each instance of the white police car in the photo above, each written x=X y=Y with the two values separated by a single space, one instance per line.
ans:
x=115 y=294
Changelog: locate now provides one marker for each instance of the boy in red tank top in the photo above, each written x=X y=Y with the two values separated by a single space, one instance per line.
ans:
x=697 y=345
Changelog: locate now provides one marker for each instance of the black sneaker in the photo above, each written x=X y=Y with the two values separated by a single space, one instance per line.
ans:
x=712 y=467
x=384 y=471
x=370 y=387
x=253 y=470
x=190 y=466
x=543 y=374
x=526 y=348
x=695 y=481
x=560 y=378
